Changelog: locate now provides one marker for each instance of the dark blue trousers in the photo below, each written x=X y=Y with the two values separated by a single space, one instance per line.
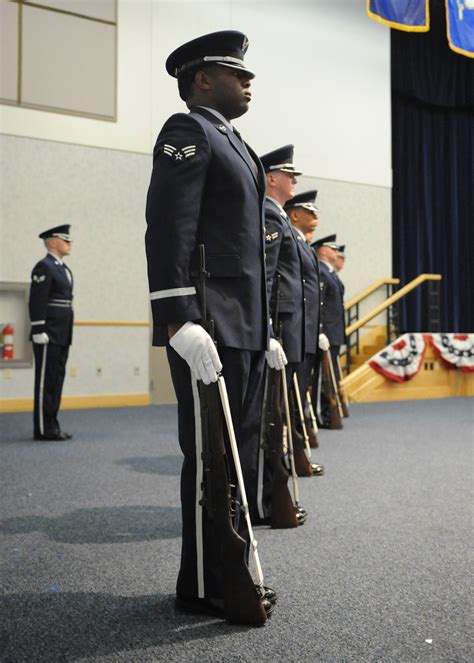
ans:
x=50 y=369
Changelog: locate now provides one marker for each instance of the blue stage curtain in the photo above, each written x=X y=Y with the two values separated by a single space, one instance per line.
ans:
x=433 y=173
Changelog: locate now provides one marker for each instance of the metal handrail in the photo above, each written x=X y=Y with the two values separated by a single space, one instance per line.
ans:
x=368 y=291
x=391 y=300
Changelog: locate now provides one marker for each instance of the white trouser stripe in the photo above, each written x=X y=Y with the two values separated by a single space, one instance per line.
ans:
x=38 y=322
x=172 y=292
x=261 y=460
x=199 y=479
x=41 y=389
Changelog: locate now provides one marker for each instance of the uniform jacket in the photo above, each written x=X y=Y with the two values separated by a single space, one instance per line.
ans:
x=50 y=301
x=205 y=190
x=283 y=261
x=332 y=307
x=312 y=295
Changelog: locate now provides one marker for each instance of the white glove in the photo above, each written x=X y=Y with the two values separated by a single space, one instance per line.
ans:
x=197 y=348
x=323 y=342
x=41 y=339
x=275 y=355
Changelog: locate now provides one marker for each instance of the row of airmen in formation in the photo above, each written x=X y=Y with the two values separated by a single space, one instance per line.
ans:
x=243 y=302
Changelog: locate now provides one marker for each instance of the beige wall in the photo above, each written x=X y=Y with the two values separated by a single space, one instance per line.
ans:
x=101 y=193
x=322 y=83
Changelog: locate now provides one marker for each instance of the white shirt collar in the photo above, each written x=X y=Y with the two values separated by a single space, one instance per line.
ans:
x=330 y=267
x=219 y=117
x=55 y=257
x=300 y=232
x=278 y=205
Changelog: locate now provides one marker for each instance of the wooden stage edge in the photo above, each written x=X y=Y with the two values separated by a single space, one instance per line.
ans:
x=79 y=402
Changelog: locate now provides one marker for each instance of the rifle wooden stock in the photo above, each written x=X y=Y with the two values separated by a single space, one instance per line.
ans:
x=311 y=423
x=283 y=514
x=313 y=440
x=302 y=463
x=242 y=604
x=327 y=386
x=342 y=391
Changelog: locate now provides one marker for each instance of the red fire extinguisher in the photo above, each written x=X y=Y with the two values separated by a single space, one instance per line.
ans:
x=8 y=333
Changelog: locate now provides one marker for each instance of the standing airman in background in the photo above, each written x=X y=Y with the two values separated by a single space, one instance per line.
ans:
x=51 y=316
x=303 y=214
x=332 y=316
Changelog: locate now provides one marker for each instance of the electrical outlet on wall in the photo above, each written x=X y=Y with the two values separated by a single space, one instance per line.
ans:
x=98 y=371
x=136 y=370
x=73 y=371
x=7 y=373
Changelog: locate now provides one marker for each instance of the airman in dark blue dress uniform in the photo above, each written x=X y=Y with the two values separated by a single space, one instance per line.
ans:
x=51 y=316
x=287 y=262
x=332 y=313
x=302 y=212
x=207 y=188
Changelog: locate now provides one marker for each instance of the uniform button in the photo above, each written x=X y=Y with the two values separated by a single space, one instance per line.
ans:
x=304 y=280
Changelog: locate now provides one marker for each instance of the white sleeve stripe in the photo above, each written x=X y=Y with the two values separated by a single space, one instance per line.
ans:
x=172 y=292
x=38 y=322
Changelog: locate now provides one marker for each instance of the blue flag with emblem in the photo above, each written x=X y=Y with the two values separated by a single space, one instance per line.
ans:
x=408 y=15
x=460 y=26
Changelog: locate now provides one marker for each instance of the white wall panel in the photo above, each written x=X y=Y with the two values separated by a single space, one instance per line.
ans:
x=101 y=193
x=105 y=10
x=68 y=63
x=132 y=131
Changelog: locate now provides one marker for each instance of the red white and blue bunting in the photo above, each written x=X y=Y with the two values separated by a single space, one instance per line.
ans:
x=401 y=360
x=455 y=350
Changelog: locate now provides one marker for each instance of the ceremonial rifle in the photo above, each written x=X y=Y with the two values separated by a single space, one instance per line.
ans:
x=301 y=448
x=296 y=389
x=283 y=510
x=291 y=449
x=329 y=387
x=242 y=600
x=342 y=391
x=312 y=428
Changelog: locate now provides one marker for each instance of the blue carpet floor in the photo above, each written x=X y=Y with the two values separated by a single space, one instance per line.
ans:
x=89 y=544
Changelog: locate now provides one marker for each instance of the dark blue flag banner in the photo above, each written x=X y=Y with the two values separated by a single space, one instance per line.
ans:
x=460 y=26
x=408 y=15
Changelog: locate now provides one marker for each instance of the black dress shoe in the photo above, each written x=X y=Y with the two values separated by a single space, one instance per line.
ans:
x=318 y=470
x=260 y=521
x=214 y=607
x=268 y=593
x=53 y=437
x=68 y=435
x=301 y=515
